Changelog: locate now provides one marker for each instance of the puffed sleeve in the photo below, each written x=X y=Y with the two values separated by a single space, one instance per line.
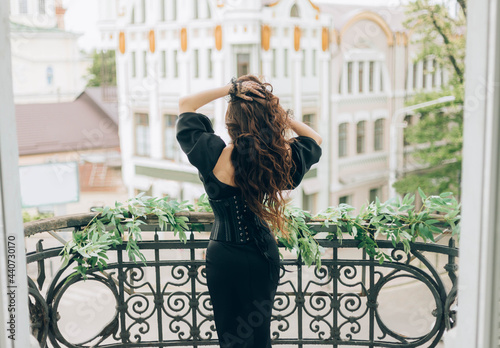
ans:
x=305 y=153
x=198 y=141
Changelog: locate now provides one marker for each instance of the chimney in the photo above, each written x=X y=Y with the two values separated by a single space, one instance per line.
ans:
x=60 y=11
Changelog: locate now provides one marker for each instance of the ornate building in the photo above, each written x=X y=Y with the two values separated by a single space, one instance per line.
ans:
x=343 y=70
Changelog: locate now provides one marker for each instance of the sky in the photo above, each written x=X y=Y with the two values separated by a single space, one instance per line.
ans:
x=81 y=17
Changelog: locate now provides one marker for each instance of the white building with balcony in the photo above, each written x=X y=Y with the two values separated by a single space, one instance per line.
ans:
x=343 y=70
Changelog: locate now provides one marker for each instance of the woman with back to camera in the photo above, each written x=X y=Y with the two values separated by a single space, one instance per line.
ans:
x=244 y=181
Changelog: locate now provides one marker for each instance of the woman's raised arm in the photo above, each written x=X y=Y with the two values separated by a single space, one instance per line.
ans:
x=192 y=102
x=304 y=130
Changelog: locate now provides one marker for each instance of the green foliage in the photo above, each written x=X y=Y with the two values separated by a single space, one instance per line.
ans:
x=113 y=225
x=438 y=134
x=394 y=220
x=103 y=69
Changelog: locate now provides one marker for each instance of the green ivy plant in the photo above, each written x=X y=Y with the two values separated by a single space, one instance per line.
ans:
x=395 y=220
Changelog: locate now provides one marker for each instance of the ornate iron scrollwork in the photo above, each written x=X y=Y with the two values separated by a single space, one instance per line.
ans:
x=166 y=301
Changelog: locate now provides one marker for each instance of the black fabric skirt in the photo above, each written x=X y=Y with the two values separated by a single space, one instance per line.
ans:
x=242 y=284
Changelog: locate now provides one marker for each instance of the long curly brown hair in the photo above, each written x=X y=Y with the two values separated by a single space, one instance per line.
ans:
x=261 y=155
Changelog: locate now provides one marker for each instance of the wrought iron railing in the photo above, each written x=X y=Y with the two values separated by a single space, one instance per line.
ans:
x=351 y=300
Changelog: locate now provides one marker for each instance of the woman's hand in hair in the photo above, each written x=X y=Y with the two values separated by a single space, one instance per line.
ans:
x=243 y=89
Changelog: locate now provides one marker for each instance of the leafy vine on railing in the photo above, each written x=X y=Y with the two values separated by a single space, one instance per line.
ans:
x=396 y=220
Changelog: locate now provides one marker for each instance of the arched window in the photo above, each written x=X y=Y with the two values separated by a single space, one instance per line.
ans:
x=294 y=12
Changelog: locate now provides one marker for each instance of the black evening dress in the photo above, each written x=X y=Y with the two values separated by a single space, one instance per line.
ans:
x=242 y=258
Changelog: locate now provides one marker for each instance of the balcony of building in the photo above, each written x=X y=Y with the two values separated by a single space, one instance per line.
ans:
x=350 y=300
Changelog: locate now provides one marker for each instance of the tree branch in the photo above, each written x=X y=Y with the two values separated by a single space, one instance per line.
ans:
x=446 y=40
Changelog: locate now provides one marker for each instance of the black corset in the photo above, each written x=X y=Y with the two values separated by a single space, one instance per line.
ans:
x=233 y=220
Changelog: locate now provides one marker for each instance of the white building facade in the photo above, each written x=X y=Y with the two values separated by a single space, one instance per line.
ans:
x=47 y=65
x=343 y=71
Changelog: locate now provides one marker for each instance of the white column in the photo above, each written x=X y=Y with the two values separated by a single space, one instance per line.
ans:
x=126 y=117
x=155 y=121
x=267 y=64
x=324 y=129
x=13 y=285
x=355 y=77
x=479 y=265
x=220 y=105
x=297 y=104
x=184 y=72
x=376 y=77
x=338 y=67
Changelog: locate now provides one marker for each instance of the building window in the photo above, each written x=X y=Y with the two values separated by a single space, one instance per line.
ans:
x=23 y=6
x=349 y=77
x=195 y=9
x=176 y=64
x=174 y=10
x=309 y=202
x=314 y=72
x=424 y=74
x=41 y=6
x=273 y=72
x=361 y=67
x=133 y=65
x=132 y=16
x=381 y=80
x=345 y=199
x=196 y=63
x=304 y=63
x=163 y=64
x=434 y=72
x=169 y=141
x=210 y=64
x=141 y=134
x=343 y=128
x=310 y=120
x=415 y=75
x=371 y=74
x=379 y=135
x=285 y=63
x=162 y=10
x=209 y=12
x=374 y=193
x=143 y=11
x=242 y=64
x=294 y=12
x=360 y=137
x=145 y=63
x=50 y=75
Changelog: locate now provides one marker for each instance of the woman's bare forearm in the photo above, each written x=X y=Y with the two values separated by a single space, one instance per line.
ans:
x=192 y=102
x=304 y=130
